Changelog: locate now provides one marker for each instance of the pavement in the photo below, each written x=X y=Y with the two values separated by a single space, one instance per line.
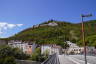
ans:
x=76 y=59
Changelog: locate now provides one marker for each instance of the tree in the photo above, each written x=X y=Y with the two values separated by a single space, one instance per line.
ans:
x=37 y=56
x=19 y=54
x=6 y=55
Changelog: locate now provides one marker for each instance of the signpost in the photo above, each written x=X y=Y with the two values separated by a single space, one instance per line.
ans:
x=83 y=35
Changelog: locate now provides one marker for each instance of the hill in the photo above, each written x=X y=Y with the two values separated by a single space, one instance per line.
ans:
x=56 y=32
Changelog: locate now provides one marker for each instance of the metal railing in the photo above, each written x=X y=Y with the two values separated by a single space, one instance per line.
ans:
x=53 y=59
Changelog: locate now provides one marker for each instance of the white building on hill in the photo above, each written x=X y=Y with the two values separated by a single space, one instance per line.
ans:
x=49 y=24
x=52 y=24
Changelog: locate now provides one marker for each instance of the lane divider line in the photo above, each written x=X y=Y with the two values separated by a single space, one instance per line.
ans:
x=71 y=58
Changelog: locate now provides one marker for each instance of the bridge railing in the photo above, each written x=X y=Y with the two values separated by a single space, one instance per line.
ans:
x=53 y=59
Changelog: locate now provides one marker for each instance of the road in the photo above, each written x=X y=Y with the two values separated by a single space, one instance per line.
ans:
x=90 y=59
x=76 y=59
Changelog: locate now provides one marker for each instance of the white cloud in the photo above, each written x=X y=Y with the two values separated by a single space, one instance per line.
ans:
x=1 y=32
x=11 y=25
x=5 y=26
x=19 y=25
x=2 y=24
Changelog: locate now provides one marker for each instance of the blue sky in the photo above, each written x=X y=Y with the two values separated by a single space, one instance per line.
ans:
x=32 y=12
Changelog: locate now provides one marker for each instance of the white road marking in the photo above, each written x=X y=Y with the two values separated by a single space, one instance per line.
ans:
x=77 y=61
x=74 y=61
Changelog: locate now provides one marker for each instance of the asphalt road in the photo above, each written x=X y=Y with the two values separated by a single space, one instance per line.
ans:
x=76 y=59
x=90 y=59
x=65 y=60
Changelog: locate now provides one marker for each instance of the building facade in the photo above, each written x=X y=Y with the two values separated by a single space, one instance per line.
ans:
x=26 y=47
x=51 y=49
x=74 y=49
x=3 y=42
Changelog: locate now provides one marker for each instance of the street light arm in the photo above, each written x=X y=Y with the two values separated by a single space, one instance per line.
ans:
x=88 y=15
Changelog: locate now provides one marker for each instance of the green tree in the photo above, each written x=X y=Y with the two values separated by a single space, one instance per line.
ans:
x=37 y=56
x=18 y=54
x=6 y=55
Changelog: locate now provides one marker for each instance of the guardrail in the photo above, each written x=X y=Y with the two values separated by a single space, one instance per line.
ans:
x=53 y=59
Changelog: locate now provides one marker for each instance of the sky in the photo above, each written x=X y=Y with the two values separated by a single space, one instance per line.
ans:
x=17 y=15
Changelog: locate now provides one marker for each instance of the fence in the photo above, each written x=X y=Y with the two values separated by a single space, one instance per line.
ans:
x=53 y=59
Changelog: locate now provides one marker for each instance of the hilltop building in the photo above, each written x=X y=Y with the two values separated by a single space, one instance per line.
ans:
x=49 y=24
x=52 y=24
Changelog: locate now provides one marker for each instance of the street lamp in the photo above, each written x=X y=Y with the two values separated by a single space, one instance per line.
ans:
x=83 y=35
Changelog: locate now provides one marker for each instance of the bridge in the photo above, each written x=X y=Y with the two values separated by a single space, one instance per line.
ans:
x=69 y=59
x=53 y=59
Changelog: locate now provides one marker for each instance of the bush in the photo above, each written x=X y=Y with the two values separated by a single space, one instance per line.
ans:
x=37 y=56
x=6 y=55
x=9 y=60
x=18 y=54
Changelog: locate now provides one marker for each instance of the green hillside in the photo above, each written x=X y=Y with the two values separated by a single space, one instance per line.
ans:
x=45 y=34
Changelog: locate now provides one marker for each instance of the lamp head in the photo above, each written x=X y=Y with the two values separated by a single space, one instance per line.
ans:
x=87 y=15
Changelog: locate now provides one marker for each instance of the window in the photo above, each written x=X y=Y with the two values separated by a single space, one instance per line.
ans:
x=29 y=46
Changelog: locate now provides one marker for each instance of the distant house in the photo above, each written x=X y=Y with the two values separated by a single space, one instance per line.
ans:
x=95 y=51
x=51 y=49
x=52 y=24
x=3 y=42
x=74 y=49
x=49 y=24
x=26 y=47
x=91 y=50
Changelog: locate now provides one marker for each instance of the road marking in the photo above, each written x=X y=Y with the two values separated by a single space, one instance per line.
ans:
x=74 y=60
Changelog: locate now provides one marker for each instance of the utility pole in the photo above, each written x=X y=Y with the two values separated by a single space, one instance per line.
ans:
x=83 y=35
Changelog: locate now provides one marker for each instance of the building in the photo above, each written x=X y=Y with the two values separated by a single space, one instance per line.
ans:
x=74 y=49
x=95 y=51
x=51 y=49
x=52 y=24
x=26 y=47
x=3 y=42
x=49 y=24
x=90 y=50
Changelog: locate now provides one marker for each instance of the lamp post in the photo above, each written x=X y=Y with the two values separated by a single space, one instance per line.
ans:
x=83 y=35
